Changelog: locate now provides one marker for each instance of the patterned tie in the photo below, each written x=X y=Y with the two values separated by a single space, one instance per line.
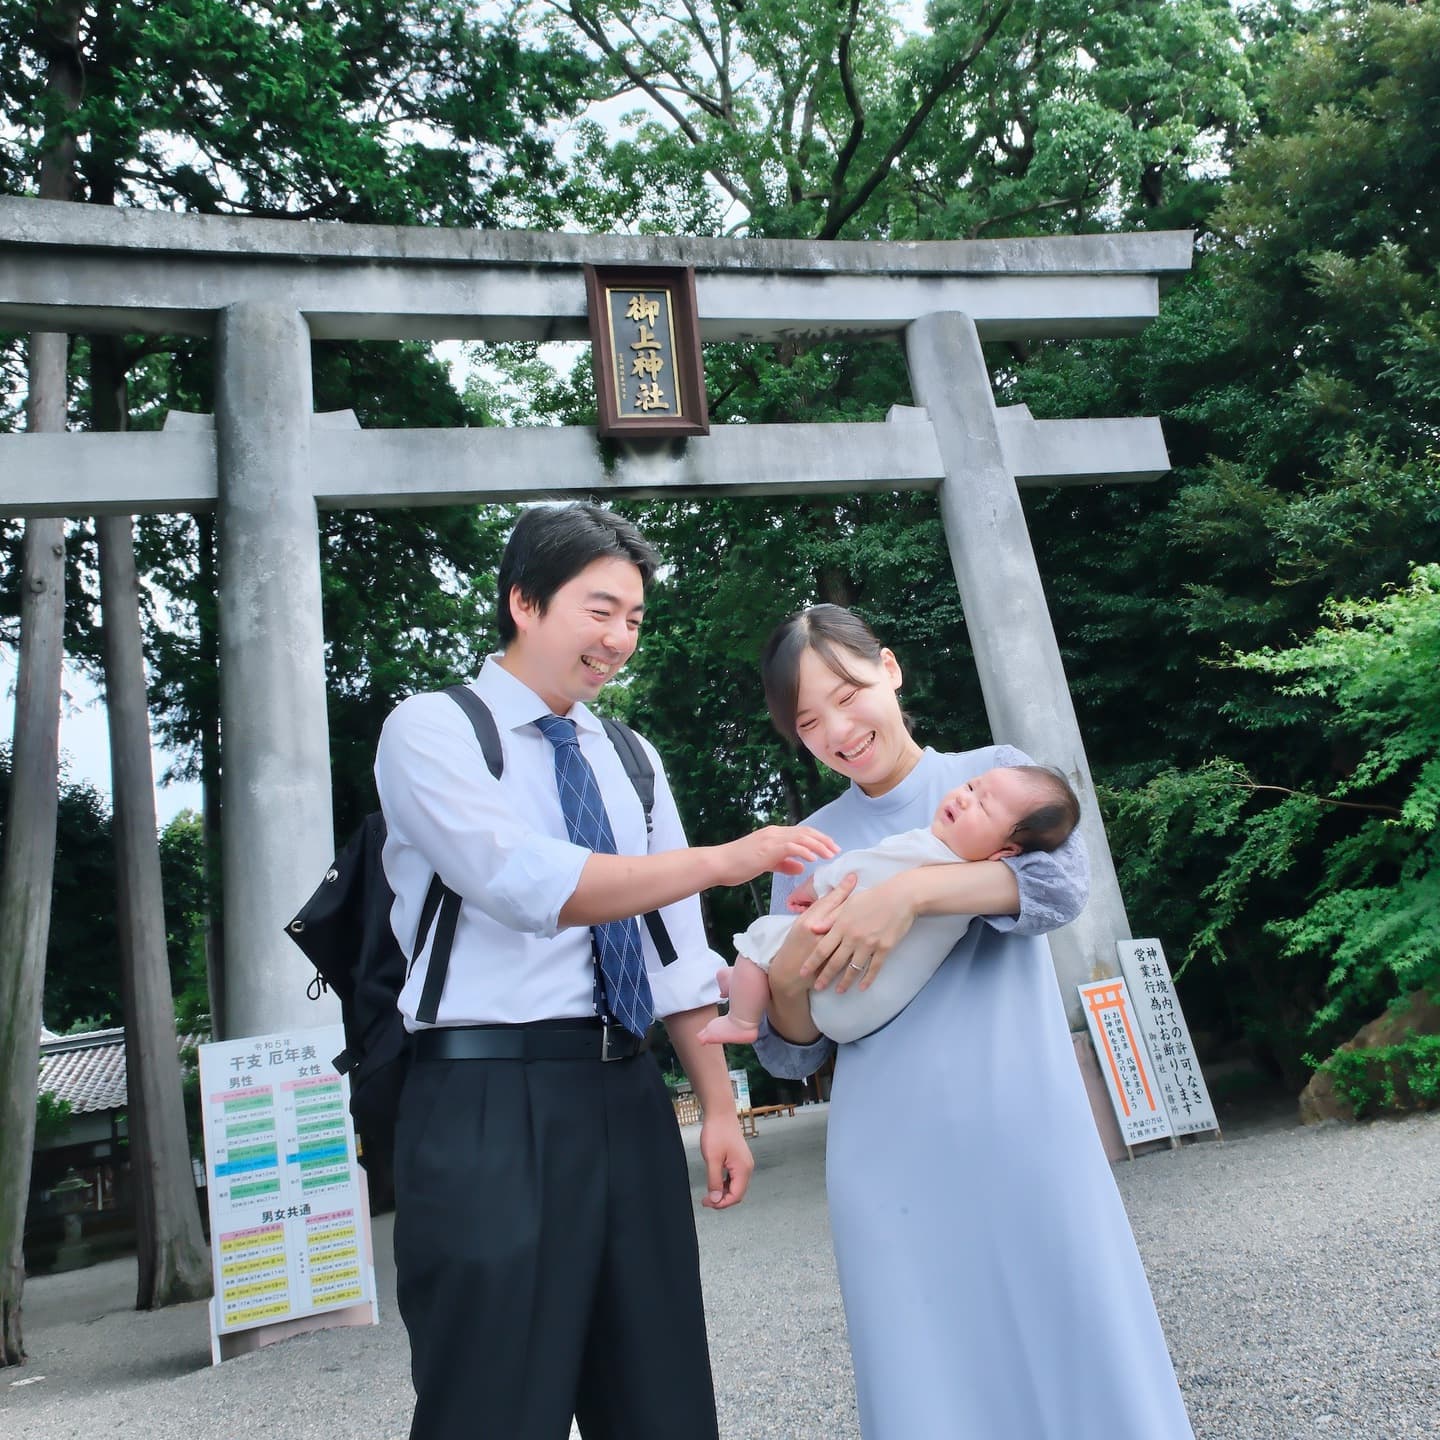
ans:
x=625 y=985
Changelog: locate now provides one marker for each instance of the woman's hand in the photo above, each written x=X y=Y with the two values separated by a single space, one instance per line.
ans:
x=790 y=979
x=783 y=848
x=861 y=934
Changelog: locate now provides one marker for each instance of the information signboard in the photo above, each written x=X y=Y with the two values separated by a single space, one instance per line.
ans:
x=1167 y=1036
x=289 y=1215
x=1123 y=1062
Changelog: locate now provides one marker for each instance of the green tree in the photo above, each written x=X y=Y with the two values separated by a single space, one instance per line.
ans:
x=396 y=113
x=1364 y=853
x=829 y=121
x=82 y=968
x=182 y=864
x=359 y=111
x=31 y=814
x=1296 y=375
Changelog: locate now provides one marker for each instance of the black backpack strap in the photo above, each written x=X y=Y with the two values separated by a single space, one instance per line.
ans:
x=483 y=724
x=641 y=775
x=439 y=966
x=636 y=763
x=439 y=896
x=664 y=946
x=433 y=896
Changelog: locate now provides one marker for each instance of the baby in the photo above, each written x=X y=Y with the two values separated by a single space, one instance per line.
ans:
x=1002 y=812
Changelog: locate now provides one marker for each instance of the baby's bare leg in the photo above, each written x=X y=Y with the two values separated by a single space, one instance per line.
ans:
x=749 y=999
x=802 y=897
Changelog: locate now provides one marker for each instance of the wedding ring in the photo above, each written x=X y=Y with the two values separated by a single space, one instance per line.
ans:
x=861 y=968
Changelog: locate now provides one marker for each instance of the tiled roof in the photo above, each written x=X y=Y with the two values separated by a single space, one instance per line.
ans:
x=89 y=1070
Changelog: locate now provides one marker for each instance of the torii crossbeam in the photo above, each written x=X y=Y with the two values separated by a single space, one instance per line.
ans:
x=264 y=289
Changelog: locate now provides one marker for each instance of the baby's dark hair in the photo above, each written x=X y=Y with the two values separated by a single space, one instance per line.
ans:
x=1049 y=824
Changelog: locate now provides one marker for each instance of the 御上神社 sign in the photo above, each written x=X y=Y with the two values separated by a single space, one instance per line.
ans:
x=646 y=349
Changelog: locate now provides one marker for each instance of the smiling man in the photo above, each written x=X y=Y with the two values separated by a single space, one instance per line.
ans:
x=544 y=1235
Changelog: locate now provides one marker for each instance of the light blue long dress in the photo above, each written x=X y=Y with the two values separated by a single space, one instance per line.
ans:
x=992 y=1286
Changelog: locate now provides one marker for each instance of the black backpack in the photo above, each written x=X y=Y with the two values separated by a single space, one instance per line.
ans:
x=344 y=928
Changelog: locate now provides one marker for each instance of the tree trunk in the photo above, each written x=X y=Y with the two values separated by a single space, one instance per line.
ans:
x=174 y=1264
x=29 y=848
x=29 y=863
x=29 y=851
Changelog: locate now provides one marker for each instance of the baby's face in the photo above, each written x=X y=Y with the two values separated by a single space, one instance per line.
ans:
x=976 y=819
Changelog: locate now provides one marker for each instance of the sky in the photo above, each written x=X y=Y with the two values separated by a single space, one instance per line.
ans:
x=85 y=741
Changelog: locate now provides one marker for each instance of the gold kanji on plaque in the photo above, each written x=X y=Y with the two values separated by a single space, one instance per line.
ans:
x=645 y=343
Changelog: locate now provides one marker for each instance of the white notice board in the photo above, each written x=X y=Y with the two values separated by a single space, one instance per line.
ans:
x=740 y=1087
x=1120 y=1049
x=289 y=1214
x=1157 y=1008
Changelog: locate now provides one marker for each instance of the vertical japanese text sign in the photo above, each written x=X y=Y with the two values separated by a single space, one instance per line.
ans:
x=1182 y=1086
x=289 y=1220
x=645 y=342
x=1123 y=1062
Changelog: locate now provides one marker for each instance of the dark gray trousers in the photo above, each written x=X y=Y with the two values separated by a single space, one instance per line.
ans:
x=546 y=1255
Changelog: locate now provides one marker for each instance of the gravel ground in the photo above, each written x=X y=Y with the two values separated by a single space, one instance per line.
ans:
x=1297 y=1272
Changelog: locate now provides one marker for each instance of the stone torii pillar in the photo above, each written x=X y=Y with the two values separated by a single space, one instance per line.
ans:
x=275 y=743
x=1022 y=677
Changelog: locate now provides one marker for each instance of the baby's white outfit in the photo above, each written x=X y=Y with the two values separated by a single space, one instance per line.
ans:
x=909 y=965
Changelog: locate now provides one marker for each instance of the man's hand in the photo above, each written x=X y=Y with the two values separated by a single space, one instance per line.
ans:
x=728 y=1161
x=786 y=849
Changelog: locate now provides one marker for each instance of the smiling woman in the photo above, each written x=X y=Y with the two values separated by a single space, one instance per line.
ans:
x=843 y=720
x=991 y=1283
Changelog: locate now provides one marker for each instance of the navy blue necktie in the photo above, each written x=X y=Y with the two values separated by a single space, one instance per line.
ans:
x=626 y=987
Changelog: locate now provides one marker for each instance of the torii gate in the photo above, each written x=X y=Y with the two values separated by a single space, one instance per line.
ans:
x=264 y=288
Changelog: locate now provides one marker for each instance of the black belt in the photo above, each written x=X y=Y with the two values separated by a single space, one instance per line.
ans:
x=545 y=1040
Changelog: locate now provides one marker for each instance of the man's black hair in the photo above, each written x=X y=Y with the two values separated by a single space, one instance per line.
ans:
x=551 y=544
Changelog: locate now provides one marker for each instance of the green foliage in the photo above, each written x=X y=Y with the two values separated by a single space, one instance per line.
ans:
x=82 y=971
x=361 y=111
x=1376 y=665
x=1403 y=1076
x=1297 y=372
x=52 y=1117
x=182 y=871
x=1345 y=886
x=354 y=110
x=812 y=120
x=82 y=968
x=1296 y=375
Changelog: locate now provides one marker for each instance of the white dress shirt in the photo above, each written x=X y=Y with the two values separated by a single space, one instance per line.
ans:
x=503 y=846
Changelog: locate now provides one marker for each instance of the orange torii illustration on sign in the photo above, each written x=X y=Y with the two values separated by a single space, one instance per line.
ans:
x=1127 y=1063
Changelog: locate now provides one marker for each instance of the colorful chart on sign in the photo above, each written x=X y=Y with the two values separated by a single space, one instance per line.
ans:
x=287 y=1219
